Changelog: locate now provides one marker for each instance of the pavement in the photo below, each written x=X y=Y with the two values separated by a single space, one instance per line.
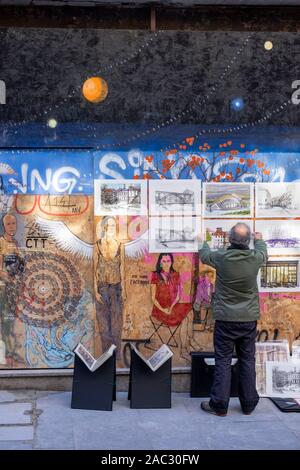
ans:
x=31 y=420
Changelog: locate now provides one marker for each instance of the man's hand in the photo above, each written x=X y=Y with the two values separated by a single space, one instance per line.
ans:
x=257 y=236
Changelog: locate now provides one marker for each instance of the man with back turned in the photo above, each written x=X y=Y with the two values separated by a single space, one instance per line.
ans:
x=235 y=308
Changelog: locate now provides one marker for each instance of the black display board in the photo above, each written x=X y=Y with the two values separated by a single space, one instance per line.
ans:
x=148 y=389
x=94 y=390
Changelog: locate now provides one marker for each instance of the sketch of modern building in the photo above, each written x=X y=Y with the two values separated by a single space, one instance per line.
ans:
x=280 y=274
x=283 y=201
x=277 y=200
x=167 y=199
x=227 y=201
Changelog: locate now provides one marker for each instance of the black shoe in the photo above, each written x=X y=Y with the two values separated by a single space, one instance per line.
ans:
x=205 y=406
x=247 y=412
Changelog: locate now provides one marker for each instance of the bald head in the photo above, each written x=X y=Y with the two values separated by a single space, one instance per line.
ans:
x=240 y=234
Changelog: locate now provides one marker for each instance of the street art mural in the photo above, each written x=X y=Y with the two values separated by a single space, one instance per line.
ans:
x=70 y=274
x=46 y=294
x=75 y=259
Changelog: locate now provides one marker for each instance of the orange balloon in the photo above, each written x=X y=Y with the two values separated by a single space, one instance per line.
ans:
x=95 y=89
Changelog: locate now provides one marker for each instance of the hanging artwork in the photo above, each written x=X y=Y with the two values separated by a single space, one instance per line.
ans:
x=170 y=198
x=280 y=275
x=174 y=234
x=227 y=200
x=121 y=197
x=216 y=232
x=281 y=236
x=277 y=200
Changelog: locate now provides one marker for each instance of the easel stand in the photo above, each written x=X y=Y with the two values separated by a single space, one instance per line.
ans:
x=94 y=390
x=148 y=389
x=203 y=374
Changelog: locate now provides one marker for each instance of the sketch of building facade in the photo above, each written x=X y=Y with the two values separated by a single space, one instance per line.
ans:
x=283 y=379
x=129 y=195
x=280 y=275
x=176 y=197
x=167 y=199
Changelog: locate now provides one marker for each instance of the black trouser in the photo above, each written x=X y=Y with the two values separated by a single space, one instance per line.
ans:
x=241 y=335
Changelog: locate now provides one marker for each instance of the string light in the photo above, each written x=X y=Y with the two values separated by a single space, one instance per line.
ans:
x=193 y=107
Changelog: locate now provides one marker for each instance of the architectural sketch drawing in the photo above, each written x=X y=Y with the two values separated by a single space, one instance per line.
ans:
x=175 y=197
x=281 y=236
x=277 y=350
x=277 y=200
x=283 y=379
x=280 y=275
x=228 y=200
x=216 y=232
x=120 y=197
x=174 y=234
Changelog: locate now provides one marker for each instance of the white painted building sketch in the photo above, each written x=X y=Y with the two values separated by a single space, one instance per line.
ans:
x=281 y=236
x=228 y=200
x=120 y=197
x=276 y=350
x=283 y=379
x=216 y=232
x=280 y=275
x=175 y=197
x=174 y=234
x=277 y=200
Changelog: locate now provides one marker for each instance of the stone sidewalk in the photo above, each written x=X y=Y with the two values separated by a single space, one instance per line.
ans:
x=44 y=420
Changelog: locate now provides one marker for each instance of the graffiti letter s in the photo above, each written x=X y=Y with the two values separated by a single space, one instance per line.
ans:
x=111 y=158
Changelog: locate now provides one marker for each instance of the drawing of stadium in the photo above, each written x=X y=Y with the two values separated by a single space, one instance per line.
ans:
x=228 y=200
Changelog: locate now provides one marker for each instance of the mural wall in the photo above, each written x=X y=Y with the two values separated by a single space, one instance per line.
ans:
x=77 y=266
x=101 y=212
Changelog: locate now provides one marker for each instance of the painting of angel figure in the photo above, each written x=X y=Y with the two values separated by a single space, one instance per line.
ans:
x=227 y=200
x=281 y=236
x=175 y=198
x=109 y=251
x=120 y=197
x=277 y=200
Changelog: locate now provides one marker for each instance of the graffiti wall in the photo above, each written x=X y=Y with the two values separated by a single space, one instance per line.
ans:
x=88 y=251
x=72 y=269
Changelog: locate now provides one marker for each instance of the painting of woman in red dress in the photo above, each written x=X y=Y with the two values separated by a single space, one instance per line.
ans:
x=165 y=294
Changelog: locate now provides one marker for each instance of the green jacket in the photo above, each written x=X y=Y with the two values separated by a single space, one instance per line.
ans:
x=236 y=295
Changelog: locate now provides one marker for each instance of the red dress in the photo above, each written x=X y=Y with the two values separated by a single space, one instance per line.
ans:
x=166 y=293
